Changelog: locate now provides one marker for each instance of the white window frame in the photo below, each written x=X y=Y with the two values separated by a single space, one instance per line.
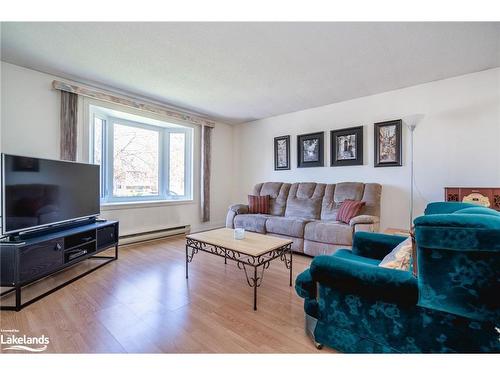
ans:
x=107 y=160
x=103 y=167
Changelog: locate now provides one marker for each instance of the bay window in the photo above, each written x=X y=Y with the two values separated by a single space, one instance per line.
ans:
x=141 y=159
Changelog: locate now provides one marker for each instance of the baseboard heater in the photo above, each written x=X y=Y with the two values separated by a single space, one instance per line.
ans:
x=153 y=235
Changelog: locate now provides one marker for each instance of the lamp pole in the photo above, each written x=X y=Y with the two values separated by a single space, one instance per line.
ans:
x=411 y=128
x=411 y=122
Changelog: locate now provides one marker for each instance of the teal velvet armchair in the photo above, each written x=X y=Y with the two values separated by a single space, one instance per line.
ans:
x=453 y=305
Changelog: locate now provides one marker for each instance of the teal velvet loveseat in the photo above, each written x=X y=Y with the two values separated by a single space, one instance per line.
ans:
x=453 y=305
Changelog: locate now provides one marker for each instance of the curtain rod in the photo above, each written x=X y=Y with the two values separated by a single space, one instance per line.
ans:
x=142 y=105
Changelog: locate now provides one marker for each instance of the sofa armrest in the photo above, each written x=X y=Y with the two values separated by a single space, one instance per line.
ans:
x=365 y=280
x=239 y=209
x=235 y=209
x=365 y=223
x=375 y=245
x=364 y=219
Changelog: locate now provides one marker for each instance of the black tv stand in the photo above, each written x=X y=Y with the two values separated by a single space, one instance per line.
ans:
x=21 y=236
x=32 y=256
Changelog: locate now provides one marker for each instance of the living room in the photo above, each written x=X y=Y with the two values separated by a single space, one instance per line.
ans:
x=350 y=180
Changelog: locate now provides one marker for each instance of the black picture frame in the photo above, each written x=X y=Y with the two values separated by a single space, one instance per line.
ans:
x=354 y=134
x=277 y=140
x=393 y=157
x=315 y=155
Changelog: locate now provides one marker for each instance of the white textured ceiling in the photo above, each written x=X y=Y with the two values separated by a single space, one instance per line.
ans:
x=236 y=72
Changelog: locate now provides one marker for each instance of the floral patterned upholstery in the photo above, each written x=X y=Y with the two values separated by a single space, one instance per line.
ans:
x=452 y=306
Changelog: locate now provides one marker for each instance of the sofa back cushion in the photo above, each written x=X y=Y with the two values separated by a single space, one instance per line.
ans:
x=278 y=194
x=335 y=194
x=304 y=200
x=371 y=197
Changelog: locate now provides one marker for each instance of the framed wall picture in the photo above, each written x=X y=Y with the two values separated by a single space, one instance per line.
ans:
x=388 y=144
x=346 y=147
x=282 y=153
x=310 y=150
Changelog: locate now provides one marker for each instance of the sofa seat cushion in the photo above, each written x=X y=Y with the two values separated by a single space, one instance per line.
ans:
x=348 y=255
x=297 y=243
x=252 y=222
x=333 y=232
x=288 y=226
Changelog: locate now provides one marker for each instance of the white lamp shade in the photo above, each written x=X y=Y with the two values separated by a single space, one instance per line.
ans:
x=412 y=120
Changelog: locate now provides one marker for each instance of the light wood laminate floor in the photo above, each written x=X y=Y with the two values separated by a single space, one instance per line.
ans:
x=142 y=303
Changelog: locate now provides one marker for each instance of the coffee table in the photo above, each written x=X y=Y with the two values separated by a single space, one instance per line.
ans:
x=254 y=251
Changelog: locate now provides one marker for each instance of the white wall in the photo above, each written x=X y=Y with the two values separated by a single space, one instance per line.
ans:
x=456 y=144
x=30 y=126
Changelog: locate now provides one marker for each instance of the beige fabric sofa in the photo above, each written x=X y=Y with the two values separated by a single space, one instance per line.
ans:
x=306 y=213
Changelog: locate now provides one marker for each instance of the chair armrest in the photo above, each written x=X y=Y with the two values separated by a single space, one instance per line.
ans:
x=458 y=232
x=375 y=245
x=364 y=219
x=239 y=208
x=365 y=280
x=434 y=208
x=305 y=286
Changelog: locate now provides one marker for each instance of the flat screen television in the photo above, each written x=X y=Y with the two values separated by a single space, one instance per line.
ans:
x=40 y=192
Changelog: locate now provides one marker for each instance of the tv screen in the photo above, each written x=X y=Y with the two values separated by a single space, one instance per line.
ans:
x=37 y=192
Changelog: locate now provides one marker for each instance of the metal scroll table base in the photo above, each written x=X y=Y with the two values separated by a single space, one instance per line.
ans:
x=244 y=262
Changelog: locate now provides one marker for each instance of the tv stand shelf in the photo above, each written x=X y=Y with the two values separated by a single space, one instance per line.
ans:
x=27 y=261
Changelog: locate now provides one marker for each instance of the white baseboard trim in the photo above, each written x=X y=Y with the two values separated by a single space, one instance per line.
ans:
x=152 y=235
x=167 y=232
x=207 y=226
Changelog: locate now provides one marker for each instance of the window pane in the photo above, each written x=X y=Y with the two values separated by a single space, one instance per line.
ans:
x=135 y=166
x=98 y=124
x=177 y=164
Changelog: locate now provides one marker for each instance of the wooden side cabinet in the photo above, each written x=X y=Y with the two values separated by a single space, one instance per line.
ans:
x=483 y=196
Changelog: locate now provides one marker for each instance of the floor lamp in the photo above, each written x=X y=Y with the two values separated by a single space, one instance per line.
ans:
x=411 y=123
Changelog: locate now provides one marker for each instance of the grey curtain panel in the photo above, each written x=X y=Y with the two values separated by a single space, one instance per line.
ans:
x=206 y=157
x=69 y=114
